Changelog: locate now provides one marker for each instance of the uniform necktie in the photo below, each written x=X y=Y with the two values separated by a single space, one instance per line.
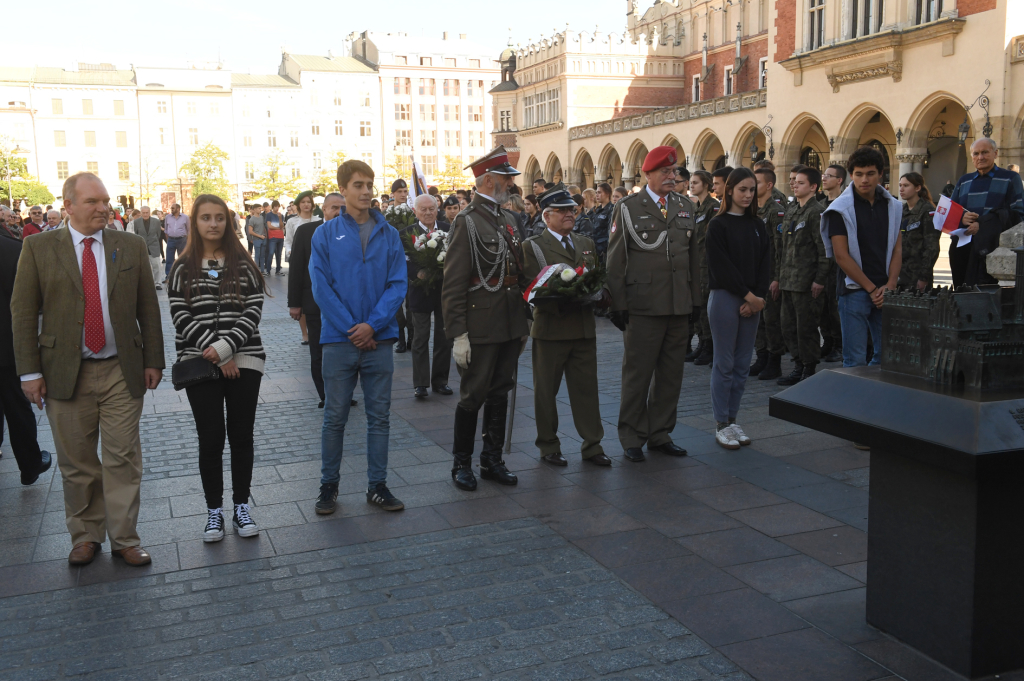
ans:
x=664 y=208
x=95 y=337
x=568 y=247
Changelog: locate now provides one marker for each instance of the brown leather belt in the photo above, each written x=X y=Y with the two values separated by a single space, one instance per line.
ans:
x=494 y=281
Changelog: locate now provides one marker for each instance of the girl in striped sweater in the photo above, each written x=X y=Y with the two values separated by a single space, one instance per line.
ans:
x=216 y=296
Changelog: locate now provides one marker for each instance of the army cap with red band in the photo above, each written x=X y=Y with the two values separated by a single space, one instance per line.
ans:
x=659 y=157
x=494 y=162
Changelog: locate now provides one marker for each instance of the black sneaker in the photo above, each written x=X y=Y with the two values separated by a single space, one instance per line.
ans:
x=214 y=526
x=245 y=526
x=383 y=497
x=328 y=500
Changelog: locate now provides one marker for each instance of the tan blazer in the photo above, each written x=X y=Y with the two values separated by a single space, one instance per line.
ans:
x=49 y=281
x=549 y=323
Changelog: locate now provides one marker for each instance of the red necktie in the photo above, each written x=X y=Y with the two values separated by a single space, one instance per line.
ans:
x=664 y=209
x=95 y=337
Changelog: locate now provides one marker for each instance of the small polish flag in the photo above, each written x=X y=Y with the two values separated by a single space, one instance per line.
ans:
x=947 y=215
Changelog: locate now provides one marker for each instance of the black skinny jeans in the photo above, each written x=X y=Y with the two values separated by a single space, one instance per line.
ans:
x=241 y=396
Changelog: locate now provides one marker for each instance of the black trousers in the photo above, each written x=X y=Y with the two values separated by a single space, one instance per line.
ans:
x=21 y=422
x=958 y=260
x=240 y=396
x=316 y=353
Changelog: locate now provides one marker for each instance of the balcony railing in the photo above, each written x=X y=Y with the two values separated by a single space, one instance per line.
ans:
x=674 y=114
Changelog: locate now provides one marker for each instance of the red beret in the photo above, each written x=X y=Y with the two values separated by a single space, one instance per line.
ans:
x=659 y=157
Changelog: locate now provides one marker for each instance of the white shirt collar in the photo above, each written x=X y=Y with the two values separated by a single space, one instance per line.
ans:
x=655 y=196
x=78 y=237
x=480 y=193
x=558 y=237
x=425 y=228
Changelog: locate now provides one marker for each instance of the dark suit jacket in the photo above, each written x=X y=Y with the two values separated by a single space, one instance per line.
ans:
x=300 y=287
x=10 y=250
x=418 y=299
x=50 y=281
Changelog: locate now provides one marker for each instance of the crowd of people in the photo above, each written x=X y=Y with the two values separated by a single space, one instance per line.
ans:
x=722 y=256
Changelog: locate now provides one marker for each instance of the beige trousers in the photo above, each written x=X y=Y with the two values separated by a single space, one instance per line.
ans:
x=101 y=497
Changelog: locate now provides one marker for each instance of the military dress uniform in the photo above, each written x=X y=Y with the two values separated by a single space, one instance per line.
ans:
x=482 y=299
x=802 y=262
x=769 y=342
x=706 y=210
x=654 y=281
x=831 y=326
x=920 y=244
x=564 y=343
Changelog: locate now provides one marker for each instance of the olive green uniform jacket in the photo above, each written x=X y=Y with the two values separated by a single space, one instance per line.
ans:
x=549 y=323
x=802 y=261
x=920 y=244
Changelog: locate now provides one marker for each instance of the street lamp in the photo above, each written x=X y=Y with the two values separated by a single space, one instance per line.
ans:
x=983 y=102
x=16 y=151
x=753 y=147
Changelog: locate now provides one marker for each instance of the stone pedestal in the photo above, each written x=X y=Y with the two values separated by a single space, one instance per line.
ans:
x=946 y=509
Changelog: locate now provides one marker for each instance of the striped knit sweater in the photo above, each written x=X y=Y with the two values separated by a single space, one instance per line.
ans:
x=237 y=336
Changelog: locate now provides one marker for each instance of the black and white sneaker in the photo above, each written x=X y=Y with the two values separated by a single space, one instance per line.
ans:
x=245 y=526
x=383 y=497
x=214 y=525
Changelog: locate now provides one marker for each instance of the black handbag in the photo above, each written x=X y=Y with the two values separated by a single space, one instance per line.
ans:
x=196 y=370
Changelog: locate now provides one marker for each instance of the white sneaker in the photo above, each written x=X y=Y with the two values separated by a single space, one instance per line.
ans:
x=727 y=438
x=214 y=526
x=245 y=526
x=740 y=436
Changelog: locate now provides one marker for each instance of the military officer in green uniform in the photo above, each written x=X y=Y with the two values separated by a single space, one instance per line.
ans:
x=564 y=335
x=485 y=315
x=654 y=283
x=919 y=236
x=802 y=270
x=769 y=343
x=705 y=208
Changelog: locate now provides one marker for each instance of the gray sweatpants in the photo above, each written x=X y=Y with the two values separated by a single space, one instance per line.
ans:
x=733 y=336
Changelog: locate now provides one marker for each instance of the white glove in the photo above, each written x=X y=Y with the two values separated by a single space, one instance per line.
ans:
x=462 y=351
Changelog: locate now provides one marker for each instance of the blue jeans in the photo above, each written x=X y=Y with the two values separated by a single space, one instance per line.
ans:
x=859 y=316
x=344 y=365
x=274 y=246
x=259 y=253
x=175 y=245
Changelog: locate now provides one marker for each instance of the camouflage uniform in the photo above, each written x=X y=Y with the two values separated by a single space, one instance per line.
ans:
x=800 y=263
x=769 y=330
x=779 y=197
x=705 y=211
x=920 y=244
x=831 y=328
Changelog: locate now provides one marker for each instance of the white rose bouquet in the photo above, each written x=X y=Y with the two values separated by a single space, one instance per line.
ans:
x=400 y=216
x=426 y=253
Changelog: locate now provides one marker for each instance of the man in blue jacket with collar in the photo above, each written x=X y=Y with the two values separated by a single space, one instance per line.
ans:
x=359 y=279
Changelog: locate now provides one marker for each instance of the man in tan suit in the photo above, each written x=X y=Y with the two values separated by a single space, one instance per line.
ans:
x=564 y=335
x=653 y=277
x=99 y=350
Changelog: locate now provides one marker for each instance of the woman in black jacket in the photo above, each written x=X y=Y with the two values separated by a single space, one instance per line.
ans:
x=739 y=258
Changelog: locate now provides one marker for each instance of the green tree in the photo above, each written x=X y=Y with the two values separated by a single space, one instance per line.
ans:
x=452 y=176
x=398 y=166
x=326 y=181
x=206 y=169
x=13 y=168
x=31 y=190
x=274 y=177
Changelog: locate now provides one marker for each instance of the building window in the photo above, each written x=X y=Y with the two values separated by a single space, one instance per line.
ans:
x=403 y=138
x=428 y=138
x=866 y=17
x=480 y=139
x=121 y=138
x=57 y=107
x=317 y=161
x=295 y=172
x=367 y=158
x=728 y=84
x=364 y=129
x=250 y=173
x=337 y=127
x=401 y=112
x=315 y=128
x=161 y=132
x=246 y=140
x=426 y=61
x=215 y=109
x=90 y=138
x=426 y=86
x=473 y=113
x=816 y=23
x=92 y=167
x=810 y=158
x=554 y=111
x=271 y=138
x=245 y=112
x=193 y=136
x=161 y=106
x=427 y=112
x=452 y=88
x=190 y=108
x=401 y=61
x=474 y=63
x=364 y=100
x=119 y=107
x=87 y=107
x=449 y=62
x=62 y=169
x=762 y=73
x=122 y=170
x=59 y=138
x=505 y=120
x=695 y=94
x=428 y=164
x=293 y=138
x=469 y=88
x=337 y=99
x=452 y=113
x=928 y=10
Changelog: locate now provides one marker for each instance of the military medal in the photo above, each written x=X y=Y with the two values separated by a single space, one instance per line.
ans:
x=644 y=236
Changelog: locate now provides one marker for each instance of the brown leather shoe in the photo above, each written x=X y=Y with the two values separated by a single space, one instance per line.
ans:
x=83 y=553
x=135 y=556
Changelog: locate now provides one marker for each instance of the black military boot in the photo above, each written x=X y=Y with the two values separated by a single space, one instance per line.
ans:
x=462 y=449
x=771 y=370
x=835 y=356
x=808 y=371
x=760 y=364
x=695 y=352
x=707 y=355
x=491 y=465
x=795 y=376
x=826 y=347
x=401 y=346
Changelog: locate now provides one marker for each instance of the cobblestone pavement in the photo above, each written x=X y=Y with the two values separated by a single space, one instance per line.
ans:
x=719 y=565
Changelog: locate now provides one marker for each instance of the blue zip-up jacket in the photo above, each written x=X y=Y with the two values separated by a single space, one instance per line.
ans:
x=352 y=288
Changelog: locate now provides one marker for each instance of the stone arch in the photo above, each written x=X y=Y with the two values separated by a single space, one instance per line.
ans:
x=583 y=169
x=609 y=166
x=931 y=144
x=634 y=160
x=707 y=153
x=805 y=131
x=672 y=141
x=741 y=147
x=553 y=169
x=532 y=171
x=868 y=125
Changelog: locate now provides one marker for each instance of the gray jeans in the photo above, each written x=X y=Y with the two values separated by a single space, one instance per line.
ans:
x=733 y=337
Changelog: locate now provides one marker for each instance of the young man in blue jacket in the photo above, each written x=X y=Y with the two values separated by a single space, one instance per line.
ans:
x=358 y=272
